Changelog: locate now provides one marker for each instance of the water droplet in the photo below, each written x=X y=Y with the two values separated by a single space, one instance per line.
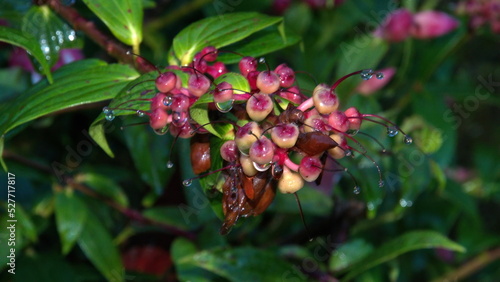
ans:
x=167 y=101
x=225 y=107
x=187 y=182
x=380 y=75
x=179 y=118
x=162 y=131
x=356 y=190
x=348 y=153
x=262 y=60
x=392 y=131
x=170 y=164
x=403 y=203
x=110 y=116
x=352 y=132
x=366 y=74
x=408 y=140
x=263 y=167
x=106 y=110
x=381 y=183
x=140 y=113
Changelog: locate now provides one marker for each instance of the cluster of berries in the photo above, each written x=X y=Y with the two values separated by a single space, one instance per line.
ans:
x=482 y=12
x=268 y=136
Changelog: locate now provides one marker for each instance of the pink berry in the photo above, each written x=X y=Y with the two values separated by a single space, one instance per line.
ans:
x=338 y=121
x=285 y=135
x=286 y=74
x=185 y=131
x=325 y=100
x=209 y=53
x=354 y=117
x=217 y=69
x=247 y=65
x=292 y=94
x=158 y=101
x=268 y=82
x=310 y=168
x=259 y=106
x=166 y=81
x=180 y=102
x=229 y=151
x=198 y=84
x=158 y=118
x=252 y=80
x=262 y=151
x=223 y=92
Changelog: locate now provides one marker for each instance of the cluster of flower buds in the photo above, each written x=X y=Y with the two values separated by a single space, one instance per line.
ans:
x=481 y=12
x=280 y=6
x=282 y=137
x=401 y=24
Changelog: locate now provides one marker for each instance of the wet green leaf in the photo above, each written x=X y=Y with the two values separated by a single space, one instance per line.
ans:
x=408 y=242
x=217 y=31
x=104 y=186
x=27 y=42
x=122 y=17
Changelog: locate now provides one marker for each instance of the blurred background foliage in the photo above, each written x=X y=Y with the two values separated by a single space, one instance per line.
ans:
x=130 y=218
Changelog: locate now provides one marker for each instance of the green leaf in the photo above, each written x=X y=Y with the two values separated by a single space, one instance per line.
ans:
x=187 y=272
x=26 y=224
x=81 y=82
x=51 y=33
x=122 y=17
x=349 y=253
x=104 y=186
x=170 y=215
x=97 y=244
x=150 y=153
x=71 y=215
x=241 y=264
x=27 y=42
x=217 y=31
x=408 y=242
x=260 y=44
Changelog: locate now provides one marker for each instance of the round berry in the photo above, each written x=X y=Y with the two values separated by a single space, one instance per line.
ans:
x=209 y=53
x=247 y=65
x=338 y=121
x=286 y=74
x=247 y=166
x=217 y=69
x=198 y=84
x=259 y=106
x=290 y=181
x=229 y=151
x=185 y=131
x=166 y=81
x=223 y=92
x=158 y=101
x=285 y=135
x=310 y=168
x=158 y=118
x=262 y=151
x=252 y=80
x=325 y=100
x=268 y=82
x=354 y=117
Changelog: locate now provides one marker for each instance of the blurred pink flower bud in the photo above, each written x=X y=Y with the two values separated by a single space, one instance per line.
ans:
x=67 y=56
x=372 y=85
x=396 y=26
x=431 y=24
x=280 y=6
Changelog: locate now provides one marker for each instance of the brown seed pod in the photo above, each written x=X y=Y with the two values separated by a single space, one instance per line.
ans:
x=314 y=143
x=200 y=153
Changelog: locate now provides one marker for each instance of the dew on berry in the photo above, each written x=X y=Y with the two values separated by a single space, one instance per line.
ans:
x=261 y=167
x=392 y=131
x=179 y=118
x=167 y=101
x=380 y=75
x=161 y=131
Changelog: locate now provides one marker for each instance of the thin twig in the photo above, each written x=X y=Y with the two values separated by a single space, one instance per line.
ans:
x=112 y=47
